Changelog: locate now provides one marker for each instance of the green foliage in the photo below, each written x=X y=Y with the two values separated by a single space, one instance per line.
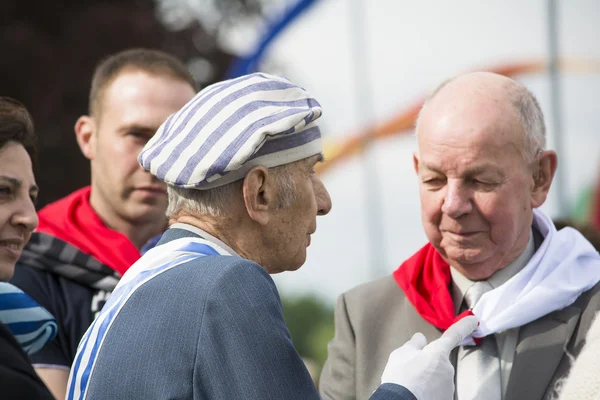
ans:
x=310 y=322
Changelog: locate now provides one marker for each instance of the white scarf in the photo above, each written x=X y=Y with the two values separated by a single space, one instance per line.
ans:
x=565 y=266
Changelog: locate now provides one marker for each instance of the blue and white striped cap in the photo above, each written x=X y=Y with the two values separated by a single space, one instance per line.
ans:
x=232 y=126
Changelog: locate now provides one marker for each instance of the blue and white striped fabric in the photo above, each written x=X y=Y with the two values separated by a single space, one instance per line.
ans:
x=31 y=324
x=232 y=126
x=153 y=263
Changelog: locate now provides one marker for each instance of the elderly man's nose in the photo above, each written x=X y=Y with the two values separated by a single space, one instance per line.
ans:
x=457 y=201
x=323 y=199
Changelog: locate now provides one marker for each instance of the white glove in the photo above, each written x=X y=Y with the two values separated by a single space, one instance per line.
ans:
x=425 y=369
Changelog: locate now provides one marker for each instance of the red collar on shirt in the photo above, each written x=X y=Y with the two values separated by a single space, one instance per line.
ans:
x=425 y=279
x=73 y=220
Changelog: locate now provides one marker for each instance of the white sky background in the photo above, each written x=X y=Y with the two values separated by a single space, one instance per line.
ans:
x=412 y=47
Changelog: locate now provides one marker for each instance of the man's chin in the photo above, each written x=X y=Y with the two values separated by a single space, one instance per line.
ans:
x=473 y=265
x=288 y=267
x=149 y=197
x=462 y=256
x=144 y=213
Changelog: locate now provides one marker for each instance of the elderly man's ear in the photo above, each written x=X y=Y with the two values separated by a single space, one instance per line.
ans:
x=543 y=173
x=260 y=194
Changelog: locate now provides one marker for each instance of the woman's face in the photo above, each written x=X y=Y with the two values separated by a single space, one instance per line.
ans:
x=18 y=218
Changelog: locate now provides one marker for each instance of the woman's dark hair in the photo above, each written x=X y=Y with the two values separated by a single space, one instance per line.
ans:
x=16 y=125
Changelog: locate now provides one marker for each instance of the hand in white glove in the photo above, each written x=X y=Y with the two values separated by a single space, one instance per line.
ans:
x=425 y=369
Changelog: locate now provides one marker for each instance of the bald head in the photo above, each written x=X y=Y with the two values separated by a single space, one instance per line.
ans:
x=500 y=98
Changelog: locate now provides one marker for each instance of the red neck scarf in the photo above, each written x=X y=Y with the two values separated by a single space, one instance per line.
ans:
x=73 y=220
x=595 y=217
x=425 y=279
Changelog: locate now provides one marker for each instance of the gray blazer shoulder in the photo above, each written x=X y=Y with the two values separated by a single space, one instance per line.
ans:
x=375 y=292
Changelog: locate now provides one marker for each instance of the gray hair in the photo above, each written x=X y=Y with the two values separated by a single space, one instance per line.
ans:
x=528 y=111
x=220 y=201
x=531 y=117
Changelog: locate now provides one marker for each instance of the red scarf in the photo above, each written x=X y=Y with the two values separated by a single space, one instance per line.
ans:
x=425 y=279
x=73 y=220
x=595 y=212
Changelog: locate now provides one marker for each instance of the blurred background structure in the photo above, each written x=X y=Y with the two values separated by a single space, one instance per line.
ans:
x=370 y=64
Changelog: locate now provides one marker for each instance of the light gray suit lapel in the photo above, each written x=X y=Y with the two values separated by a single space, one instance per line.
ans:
x=540 y=349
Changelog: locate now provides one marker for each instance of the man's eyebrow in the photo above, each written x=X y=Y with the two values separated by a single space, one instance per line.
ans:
x=479 y=169
x=137 y=128
x=320 y=158
x=432 y=168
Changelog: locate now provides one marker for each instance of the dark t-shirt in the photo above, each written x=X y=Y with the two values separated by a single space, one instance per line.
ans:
x=18 y=380
x=72 y=285
x=73 y=305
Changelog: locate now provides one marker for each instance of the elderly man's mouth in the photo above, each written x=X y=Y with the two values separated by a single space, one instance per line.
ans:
x=464 y=235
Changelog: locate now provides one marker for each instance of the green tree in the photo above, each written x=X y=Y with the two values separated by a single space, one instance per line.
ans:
x=310 y=322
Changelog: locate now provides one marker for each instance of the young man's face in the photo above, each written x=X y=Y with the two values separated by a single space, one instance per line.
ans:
x=133 y=107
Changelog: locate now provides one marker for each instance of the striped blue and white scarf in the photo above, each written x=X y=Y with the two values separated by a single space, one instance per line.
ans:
x=153 y=263
x=31 y=324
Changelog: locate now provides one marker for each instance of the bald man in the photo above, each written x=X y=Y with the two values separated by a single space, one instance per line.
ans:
x=483 y=171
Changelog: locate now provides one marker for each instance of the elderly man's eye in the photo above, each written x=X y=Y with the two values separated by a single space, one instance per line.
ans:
x=483 y=184
x=434 y=181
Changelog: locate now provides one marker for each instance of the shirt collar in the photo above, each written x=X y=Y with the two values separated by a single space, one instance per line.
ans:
x=460 y=283
x=204 y=235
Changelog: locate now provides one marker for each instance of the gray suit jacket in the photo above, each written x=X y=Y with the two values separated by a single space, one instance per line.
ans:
x=374 y=319
x=211 y=328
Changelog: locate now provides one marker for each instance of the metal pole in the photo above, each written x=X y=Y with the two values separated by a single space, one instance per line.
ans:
x=360 y=56
x=555 y=107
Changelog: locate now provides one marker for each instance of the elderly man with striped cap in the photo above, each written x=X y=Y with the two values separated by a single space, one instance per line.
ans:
x=198 y=316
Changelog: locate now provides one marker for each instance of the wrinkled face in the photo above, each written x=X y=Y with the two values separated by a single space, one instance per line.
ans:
x=133 y=107
x=18 y=218
x=475 y=188
x=293 y=225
